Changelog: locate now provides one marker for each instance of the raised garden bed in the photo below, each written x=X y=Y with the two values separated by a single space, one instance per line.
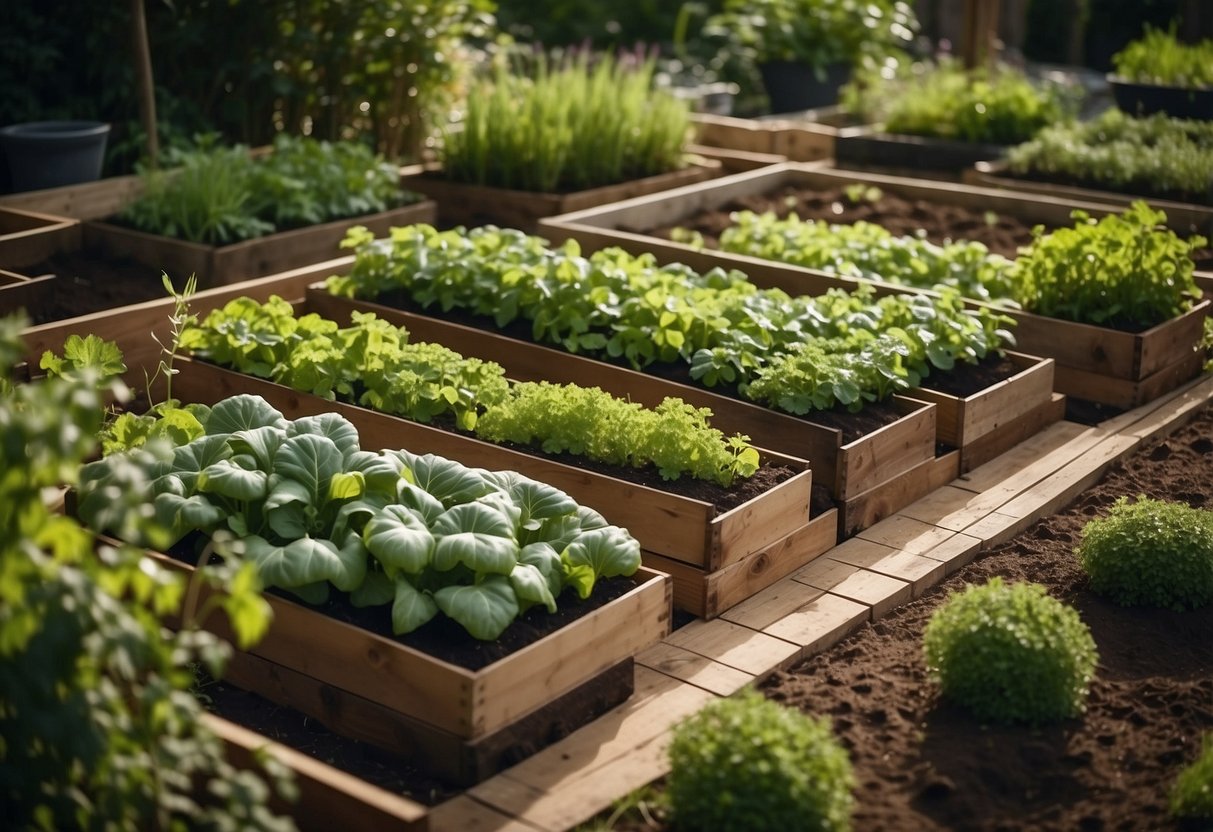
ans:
x=220 y=265
x=807 y=137
x=85 y=201
x=870 y=147
x=18 y=292
x=1139 y=366
x=466 y=204
x=27 y=237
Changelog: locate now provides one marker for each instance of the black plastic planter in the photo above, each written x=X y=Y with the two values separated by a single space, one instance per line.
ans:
x=793 y=86
x=48 y=154
x=1177 y=102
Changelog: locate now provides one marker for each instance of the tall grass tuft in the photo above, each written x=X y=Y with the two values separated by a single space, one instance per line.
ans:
x=567 y=127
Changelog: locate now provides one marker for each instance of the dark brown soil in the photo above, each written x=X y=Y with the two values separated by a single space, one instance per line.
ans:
x=923 y=764
x=90 y=282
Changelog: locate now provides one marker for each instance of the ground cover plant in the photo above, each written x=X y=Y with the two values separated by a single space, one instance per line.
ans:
x=568 y=127
x=222 y=195
x=1158 y=57
x=725 y=331
x=1152 y=156
x=314 y=512
x=99 y=728
x=373 y=363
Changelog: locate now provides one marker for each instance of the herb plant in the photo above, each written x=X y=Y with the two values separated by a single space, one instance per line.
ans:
x=1126 y=269
x=417 y=533
x=1192 y=794
x=1153 y=156
x=747 y=763
x=1157 y=57
x=1010 y=653
x=219 y=196
x=1150 y=553
x=372 y=363
x=621 y=307
x=568 y=128
x=99 y=729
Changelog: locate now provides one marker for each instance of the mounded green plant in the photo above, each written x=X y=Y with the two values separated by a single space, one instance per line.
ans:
x=749 y=764
x=1150 y=553
x=1157 y=57
x=566 y=128
x=1010 y=653
x=1124 y=270
x=222 y=195
x=1192 y=794
x=1156 y=155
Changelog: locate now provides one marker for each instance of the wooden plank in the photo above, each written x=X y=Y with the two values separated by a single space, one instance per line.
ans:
x=872 y=506
x=995 y=529
x=24 y=293
x=953 y=508
x=1030 y=461
x=465 y=814
x=697 y=670
x=736 y=161
x=1175 y=412
x=748 y=650
x=1164 y=345
x=905 y=534
x=921 y=572
x=1126 y=393
x=955 y=552
x=764 y=608
x=740 y=532
x=889 y=452
x=879 y=592
x=1010 y=434
x=328 y=797
x=821 y=624
x=28 y=237
x=1094 y=349
x=86 y=201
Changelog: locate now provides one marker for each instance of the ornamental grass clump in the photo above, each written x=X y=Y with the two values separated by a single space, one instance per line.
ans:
x=569 y=128
x=1010 y=653
x=1150 y=553
x=749 y=764
x=1192 y=794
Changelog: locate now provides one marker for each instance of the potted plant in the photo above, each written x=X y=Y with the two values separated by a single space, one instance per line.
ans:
x=807 y=49
x=1156 y=73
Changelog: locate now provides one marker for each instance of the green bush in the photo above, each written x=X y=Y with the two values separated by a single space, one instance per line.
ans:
x=750 y=764
x=1157 y=57
x=1010 y=653
x=1150 y=553
x=1192 y=795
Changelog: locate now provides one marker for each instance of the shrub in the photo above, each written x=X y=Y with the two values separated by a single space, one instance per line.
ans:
x=1157 y=57
x=1192 y=795
x=1010 y=653
x=747 y=763
x=1150 y=553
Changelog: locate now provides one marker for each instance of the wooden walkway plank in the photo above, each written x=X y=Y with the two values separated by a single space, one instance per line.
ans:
x=781 y=598
x=1179 y=410
x=734 y=645
x=953 y=508
x=880 y=592
x=1029 y=461
x=955 y=552
x=821 y=624
x=921 y=572
x=463 y=814
x=905 y=534
x=997 y=528
x=695 y=669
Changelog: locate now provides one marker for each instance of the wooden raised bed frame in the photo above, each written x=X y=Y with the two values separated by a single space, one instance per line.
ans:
x=463 y=725
x=869 y=147
x=271 y=254
x=466 y=204
x=1093 y=363
x=808 y=137
x=28 y=237
x=20 y=292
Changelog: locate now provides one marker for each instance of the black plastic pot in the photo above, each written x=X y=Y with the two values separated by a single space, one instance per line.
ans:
x=48 y=154
x=794 y=86
x=1177 y=102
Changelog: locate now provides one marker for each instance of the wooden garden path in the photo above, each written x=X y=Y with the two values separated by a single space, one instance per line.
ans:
x=859 y=580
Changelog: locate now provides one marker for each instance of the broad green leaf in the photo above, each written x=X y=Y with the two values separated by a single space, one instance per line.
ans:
x=353 y=516
x=247 y=610
x=503 y=503
x=185 y=514
x=427 y=506
x=332 y=425
x=380 y=471
x=177 y=425
x=190 y=460
x=311 y=461
x=447 y=480
x=581 y=578
x=484 y=609
x=531 y=586
x=261 y=442
x=375 y=590
x=609 y=552
x=591 y=519
x=315 y=594
x=546 y=559
x=287 y=509
x=399 y=539
x=227 y=479
x=476 y=535
x=243 y=412
x=410 y=607
x=537 y=500
x=346 y=486
x=308 y=560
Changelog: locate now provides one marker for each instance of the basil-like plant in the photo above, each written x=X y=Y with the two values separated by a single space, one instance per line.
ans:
x=417 y=533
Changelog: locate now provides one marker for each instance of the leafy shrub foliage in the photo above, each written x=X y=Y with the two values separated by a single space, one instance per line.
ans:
x=1157 y=57
x=1150 y=156
x=568 y=128
x=749 y=764
x=1192 y=795
x=1150 y=553
x=1010 y=653
x=1126 y=270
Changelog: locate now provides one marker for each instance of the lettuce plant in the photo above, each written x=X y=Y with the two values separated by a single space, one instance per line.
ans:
x=316 y=513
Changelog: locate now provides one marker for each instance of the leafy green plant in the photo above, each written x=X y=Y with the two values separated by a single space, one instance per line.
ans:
x=1010 y=653
x=99 y=729
x=1153 y=156
x=1192 y=794
x=568 y=128
x=1157 y=57
x=373 y=364
x=617 y=306
x=1150 y=553
x=1126 y=269
x=421 y=534
x=222 y=195
x=747 y=763
x=815 y=32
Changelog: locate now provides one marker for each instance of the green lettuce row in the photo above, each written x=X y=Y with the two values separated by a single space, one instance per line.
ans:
x=315 y=512
x=372 y=363
x=614 y=305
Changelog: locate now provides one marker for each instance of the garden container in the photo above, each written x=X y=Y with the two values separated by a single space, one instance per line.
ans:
x=27 y=237
x=1139 y=99
x=793 y=86
x=48 y=154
